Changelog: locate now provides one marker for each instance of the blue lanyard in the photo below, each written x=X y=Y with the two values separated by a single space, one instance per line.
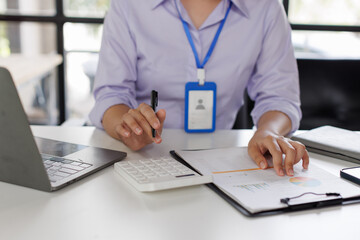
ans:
x=212 y=46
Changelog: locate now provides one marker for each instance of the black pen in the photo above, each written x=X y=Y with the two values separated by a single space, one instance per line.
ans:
x=154 y=104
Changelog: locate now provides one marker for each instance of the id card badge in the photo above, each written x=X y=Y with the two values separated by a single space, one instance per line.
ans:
x=200 y=107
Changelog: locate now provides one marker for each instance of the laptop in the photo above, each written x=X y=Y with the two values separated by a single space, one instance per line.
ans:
x=40 y=163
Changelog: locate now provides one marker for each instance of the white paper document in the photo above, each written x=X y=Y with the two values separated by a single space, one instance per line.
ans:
x=257 y=190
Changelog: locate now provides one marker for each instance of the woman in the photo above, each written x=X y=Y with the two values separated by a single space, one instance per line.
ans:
x=152 y=44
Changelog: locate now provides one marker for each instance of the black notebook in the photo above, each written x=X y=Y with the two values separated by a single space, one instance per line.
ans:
x=332 y=141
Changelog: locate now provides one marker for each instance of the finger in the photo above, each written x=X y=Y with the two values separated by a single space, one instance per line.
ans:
x=290 y=155
x=130 y=121
x=306 y=160
x=123 y=131
x=255 y=153
x=276 y=154
x=161 y=114
x=157 y=138
x=142 y=122
x=300 y=150
x=149 y=115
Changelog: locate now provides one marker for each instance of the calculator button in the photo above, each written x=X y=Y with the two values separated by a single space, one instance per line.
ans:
x=141 y=178
x=163 y=174
x=150 y=174
x=145 y=161
x=127 y=167
x=156 y=169
x=130 y=169
x=138 y=174
x=142 y=168
x=123 y=163
x=135 y=163
x=157 y=161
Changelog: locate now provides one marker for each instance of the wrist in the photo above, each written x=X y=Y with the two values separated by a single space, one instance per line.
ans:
x=274 y=122
x=267 y=131
x=112 y=119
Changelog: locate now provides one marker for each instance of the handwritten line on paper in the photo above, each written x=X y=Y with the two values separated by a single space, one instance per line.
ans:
x=240 y=170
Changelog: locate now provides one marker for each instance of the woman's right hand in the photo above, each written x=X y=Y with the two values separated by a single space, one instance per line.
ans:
x=133 y=126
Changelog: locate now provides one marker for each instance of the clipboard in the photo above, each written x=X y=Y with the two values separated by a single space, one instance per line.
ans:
x=335 y=201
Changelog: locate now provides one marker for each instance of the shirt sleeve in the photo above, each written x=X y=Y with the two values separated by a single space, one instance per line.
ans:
x=274 y=85
x=116 y=74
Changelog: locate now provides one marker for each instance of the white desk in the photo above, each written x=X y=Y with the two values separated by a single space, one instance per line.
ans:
x=104 y=206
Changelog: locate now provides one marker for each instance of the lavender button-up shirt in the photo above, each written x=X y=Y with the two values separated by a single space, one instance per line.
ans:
x=144 y=47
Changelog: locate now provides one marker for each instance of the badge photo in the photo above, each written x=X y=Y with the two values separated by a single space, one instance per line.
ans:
x=200 y=107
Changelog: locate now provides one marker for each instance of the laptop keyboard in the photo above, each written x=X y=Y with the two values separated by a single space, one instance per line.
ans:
x=59 y=168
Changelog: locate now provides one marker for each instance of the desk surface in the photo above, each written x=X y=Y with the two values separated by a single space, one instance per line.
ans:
x=104 y=206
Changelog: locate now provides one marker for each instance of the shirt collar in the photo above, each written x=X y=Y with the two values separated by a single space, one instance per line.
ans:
x=156 y=3
x=238 y=3
x=241 y=6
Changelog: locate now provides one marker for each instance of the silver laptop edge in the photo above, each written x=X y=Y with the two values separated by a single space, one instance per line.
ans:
x=20 y=160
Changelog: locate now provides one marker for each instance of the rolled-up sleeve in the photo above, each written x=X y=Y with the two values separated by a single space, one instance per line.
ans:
x=274 y=85
x=116 y=73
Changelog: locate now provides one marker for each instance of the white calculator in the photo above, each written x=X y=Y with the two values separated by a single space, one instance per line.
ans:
x=153 y=174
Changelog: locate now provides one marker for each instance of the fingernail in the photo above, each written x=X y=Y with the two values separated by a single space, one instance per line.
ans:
x=157 y=139
x=262 y=165
x=137 y=130
x=281 y=172
x=126 y=133
x=291 y=172
x=156 y=125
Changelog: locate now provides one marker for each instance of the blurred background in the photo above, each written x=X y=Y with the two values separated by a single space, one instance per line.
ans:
x=65 y=36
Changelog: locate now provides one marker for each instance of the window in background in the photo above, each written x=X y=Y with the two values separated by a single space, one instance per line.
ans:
x=333 y=18
x=326 y=44
x=28 y=7
x=20 y=44
x=86 y=8
x=327 y=12
x=82 y=44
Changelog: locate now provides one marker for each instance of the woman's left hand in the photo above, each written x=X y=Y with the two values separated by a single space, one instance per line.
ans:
x=265 y=141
